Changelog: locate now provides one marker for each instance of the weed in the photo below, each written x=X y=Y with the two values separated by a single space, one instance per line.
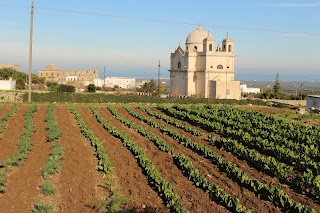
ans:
x=114 y=203
x=2 y=180
x=42 y=208
x=53 y=162
x=12 y=160
x=47 y=189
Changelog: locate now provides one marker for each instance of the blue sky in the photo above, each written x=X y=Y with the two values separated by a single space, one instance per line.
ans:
x=133 y=47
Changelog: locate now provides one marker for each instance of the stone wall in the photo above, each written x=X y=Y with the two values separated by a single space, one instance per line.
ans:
x=11 y=96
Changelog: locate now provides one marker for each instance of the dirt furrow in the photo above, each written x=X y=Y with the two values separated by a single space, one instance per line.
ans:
x=211 y=172
x=9 y=138
x=127 y=173
x=192 y=197
x=79 y=183
x=22 y=183
x=252 y=172
x=4 y=108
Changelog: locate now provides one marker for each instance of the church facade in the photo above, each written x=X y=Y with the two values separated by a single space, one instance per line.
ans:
x=202 y=69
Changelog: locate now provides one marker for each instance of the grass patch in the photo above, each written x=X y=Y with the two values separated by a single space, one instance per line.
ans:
x=114 y=203
x=40 y=207
x=2 y=180
x=53 y=162
x=47 y=189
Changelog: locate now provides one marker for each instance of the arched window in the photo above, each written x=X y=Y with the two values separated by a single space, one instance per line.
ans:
x=220 y=67
x=179 y=65
x=210 y=47
x=195 y=49
x=230 y=48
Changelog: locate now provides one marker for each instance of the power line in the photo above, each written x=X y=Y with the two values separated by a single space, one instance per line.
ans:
x=283 y=76
x=166 y=21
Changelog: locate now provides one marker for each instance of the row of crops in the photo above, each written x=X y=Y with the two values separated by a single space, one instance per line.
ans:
x=262 y=190
x=247 y=140
x=286 y=150
x=185 y=165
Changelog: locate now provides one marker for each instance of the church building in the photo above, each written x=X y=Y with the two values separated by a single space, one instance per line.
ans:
x=204 y=70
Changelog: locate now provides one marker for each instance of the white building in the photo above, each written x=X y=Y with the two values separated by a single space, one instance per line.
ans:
x=313 y=101
x=203 y=70
x=126 y=83
x=246 y=90
x=8 y=84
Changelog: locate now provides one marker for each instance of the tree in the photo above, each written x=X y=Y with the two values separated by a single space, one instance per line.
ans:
x=91 y=88
x=52 y=86
x=277 y=86
x=149 y=87
x=20 y=84
x=66 y=88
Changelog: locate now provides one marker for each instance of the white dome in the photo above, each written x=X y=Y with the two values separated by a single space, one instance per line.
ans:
x=197 y=36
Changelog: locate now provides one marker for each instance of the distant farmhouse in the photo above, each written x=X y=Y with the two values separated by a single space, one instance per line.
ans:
x=10 y=66
x=202 y=69
x=81 y=77
x=125 y=83
x=247 y=90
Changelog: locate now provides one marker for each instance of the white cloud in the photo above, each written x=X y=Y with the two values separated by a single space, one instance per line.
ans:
x=294 y=5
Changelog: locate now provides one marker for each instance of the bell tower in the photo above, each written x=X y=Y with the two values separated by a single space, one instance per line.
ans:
x=228 y=45
x=208 y=43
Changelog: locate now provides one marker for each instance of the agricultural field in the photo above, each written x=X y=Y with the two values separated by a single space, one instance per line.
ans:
x=156 y=158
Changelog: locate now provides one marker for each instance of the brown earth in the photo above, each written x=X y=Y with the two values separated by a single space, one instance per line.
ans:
x=208 y=169
x=303 y=199
x=197 y=201
x=78 y=183
x=9 y=138
x=3 y=109
x=22 y=183
x=128 y=175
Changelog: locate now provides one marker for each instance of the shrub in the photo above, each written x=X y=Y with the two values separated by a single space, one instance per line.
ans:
x=47 y=189
x=42 y=208
x=66 y=88
x=91 y=88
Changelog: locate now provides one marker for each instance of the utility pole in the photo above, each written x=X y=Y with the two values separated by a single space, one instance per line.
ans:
x=30 y=52
x=159 y=78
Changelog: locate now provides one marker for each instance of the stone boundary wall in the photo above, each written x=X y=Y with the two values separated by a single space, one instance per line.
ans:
x=11 y=96
x=300 y=103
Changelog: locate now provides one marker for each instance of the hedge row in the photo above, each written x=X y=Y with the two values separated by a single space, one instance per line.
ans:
x=102 y=98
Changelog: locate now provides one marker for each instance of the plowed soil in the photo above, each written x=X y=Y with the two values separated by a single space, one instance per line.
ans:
x=22 y=183
x=132 y=183
x=197 y=201
x=9 y=138
x=303 y=199
x=79 y=186
x=209 y=170
x=79 y=181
